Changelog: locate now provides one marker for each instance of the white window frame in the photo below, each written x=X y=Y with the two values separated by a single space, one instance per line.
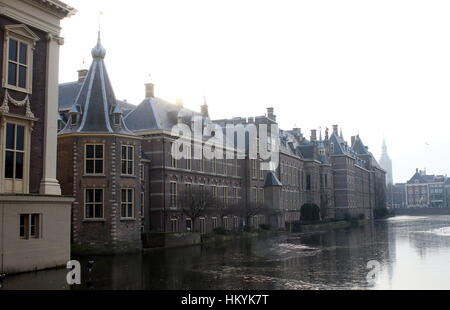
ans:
x=94 y=158
x=126 y=203
x=173 y=195
x=127 y=160
x=28 y=226
x=22 y=34
x=16 y=186
x=94 y=203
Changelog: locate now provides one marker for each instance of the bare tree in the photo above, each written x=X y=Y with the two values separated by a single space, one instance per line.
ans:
x=249 y=210
x=196 y=203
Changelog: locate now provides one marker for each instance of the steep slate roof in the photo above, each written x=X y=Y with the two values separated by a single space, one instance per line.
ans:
x=96 y=103
x=272 y=180
x=68 y=93
x=156 y=114
x=359 y=147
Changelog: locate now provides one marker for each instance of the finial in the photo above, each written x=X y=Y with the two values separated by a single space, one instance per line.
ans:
x=98 y=51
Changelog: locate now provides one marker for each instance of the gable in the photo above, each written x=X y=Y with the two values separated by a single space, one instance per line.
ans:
x=22 y=31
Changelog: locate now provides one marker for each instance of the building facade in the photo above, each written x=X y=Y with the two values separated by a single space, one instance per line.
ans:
x=34 y=217
x=427 y=191
x=100 y=164
x=237 y=188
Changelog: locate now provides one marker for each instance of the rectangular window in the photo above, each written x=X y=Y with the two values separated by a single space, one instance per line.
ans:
x=30 y=226
x=188 y=158
x=308 y=182
x=214 y=192
x=127 y=203
x=225 y=223
x=173 y=195
x=127 y=160
x=188 y=224
x=14 y=151
x=202 y=226
x=254 y=168
x=18 y=66
x=214 y=223
x=94 y=159
x=142 y=172
x=174 y=225
x=34 y=226
x=225 y=196
x=24 y=226
x=93 y=203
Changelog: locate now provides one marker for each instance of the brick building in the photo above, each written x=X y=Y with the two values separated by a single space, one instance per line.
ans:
x=34 y=218
x=247 y=189
x=100 y=163
x=427 y=191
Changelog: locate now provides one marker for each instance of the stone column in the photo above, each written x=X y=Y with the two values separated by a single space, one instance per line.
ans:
x=49 y=183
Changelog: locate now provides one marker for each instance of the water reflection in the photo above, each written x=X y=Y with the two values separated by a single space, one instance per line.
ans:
x=413 y=251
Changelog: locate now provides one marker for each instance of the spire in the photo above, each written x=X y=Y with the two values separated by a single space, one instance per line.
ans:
x=204 y=108
x=384 y=149
x=96 y=108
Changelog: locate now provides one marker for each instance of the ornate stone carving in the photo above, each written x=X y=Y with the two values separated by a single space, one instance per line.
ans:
x=22 y=103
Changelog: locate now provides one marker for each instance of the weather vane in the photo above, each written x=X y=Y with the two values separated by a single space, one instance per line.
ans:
x=100 y=14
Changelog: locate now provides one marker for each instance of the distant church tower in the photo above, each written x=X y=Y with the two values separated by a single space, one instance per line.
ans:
x=386 y=164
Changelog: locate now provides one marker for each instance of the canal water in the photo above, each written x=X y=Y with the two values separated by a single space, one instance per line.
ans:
x=405 y=253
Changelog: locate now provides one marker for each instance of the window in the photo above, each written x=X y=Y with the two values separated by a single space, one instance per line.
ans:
x=174 y=225
x=188 y=158
x=127 y=160
x=308 y=182
x=254 y=168
x=14 y=151
x=94 y=158
x=73 y=119
x=142 y=171
x=173 y=195
x=189 y=224
x=127 y=203
x=117 y=119
x=214 y=223
x=93 y=203
x=29 y=226
x=225 y=196
x=202 y=225
x=236 y=222
x=214 y=191
x=225 y=222
x=18 y=66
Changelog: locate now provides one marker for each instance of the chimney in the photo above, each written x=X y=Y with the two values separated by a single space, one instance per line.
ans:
x=353 y=140
x=149 y=90
x=298 y=131
x=271 y=115
x=205 y=110
x=336 y=129
x=179 y=103
x=313 y=135
x=251 y=120
x=82 y=75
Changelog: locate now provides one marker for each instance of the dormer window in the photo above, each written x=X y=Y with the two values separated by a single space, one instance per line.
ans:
x=18 y=53
x=73 y=119
x=117 y=119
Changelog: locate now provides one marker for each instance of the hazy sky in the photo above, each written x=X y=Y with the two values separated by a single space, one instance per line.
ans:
x=373 y=67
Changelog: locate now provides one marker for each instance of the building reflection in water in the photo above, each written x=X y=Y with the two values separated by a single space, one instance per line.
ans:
x=413 y=252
